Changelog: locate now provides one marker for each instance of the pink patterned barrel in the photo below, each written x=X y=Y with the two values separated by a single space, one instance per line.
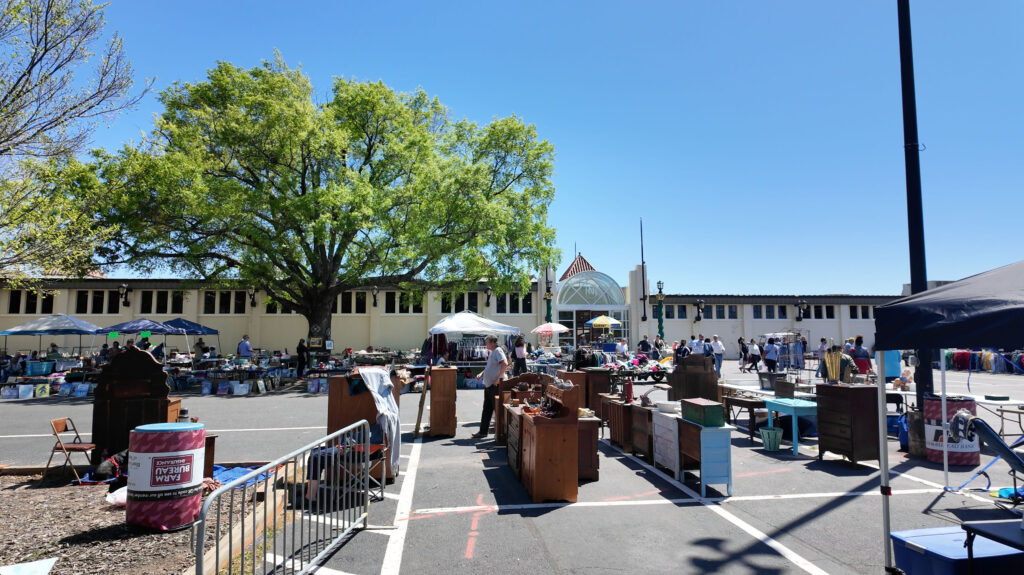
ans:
x=965 y=451
x=165 y=475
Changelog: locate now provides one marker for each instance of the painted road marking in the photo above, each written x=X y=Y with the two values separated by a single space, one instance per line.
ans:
x=396 y=543
x=277 y=560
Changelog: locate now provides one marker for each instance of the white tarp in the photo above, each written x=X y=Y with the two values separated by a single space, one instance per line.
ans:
x=467 y=322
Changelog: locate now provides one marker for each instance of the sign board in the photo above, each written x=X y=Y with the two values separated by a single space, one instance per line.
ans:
x=146 y=333
x=316 y=342
x=112 y=335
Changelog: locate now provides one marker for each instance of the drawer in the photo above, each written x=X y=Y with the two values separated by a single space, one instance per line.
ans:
x=832 y=429
x=835 y=417
x=833 y=404
x=834 y=444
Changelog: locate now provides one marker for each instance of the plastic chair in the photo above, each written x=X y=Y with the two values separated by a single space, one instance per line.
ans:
x=63 y=425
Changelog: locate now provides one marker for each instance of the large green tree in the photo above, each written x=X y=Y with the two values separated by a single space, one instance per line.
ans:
x=49 y=105
x=247 y=178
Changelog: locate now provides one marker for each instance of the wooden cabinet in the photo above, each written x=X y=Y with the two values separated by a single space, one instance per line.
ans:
x=442 y=401
x=620 y=424
x=514 y=438
x=666 y=441
x=577 y=378
x=598 y=382
x=605 y=407
x=696 y=377
x=848 y=421
x=588 y=459
x=710 y=447
x=643 y=439
x=550 y=449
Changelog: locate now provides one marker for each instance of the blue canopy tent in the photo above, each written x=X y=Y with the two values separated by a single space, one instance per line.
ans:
x=193 y=328
x=60 y=324
x=142 y=324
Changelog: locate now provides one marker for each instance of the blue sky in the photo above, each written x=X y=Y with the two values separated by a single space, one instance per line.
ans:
x=761 y=142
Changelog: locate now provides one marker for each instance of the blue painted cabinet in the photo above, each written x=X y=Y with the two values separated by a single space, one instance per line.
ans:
x=711 y=447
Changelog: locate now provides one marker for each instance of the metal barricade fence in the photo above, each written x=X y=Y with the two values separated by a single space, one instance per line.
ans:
x=292 y=512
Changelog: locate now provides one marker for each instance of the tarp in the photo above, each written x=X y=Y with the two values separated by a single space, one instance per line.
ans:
x=60 y=324
x=191 y=327
x=984 y=310
x=467 y=322
x=141 y=325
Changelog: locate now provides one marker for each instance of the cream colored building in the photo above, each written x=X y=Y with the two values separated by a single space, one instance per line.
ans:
x=389 y=319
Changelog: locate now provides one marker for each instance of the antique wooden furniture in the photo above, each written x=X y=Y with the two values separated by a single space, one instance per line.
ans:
x=695 y=377
x=664 y=427
x=642 y=437
x=848 y=421
x=604 y=400
x=710 y=446
x=550 y=450
x=514 y=438
x=748 y=403
x=531 y=380
x=442 y=401
x=132 y=391
x=598 y=382
x=620 y=424
x=345 y=408
x=794 y=408
x=577 y=378
x=588 y=458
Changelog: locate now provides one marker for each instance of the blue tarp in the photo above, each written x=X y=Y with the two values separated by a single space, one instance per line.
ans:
x=228 y=474
x=141 y=325
x=60 y=324
x=191 y=327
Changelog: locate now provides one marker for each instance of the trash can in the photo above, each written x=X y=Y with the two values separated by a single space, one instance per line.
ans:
x=965 y=451
x=165 y=475
x=772 y=438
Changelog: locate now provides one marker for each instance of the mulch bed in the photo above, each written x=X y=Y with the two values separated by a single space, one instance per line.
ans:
x=41 y=520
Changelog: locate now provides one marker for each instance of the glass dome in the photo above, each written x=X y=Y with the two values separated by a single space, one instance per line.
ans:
x=592 y=289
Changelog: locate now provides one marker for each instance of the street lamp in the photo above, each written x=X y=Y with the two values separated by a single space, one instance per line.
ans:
x=700 y=308
x=548 y=296
x=252 y=296
x=800 y=305
x=123 y=290
x=487 y=292
x=375 y=291
x=661 y=310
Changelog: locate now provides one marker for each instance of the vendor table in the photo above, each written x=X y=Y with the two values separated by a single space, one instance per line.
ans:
x=795 y=408
x=1005 y=414
x=1008 y=532
x=748 y=403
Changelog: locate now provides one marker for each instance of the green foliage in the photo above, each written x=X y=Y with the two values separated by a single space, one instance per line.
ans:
x=247 y=178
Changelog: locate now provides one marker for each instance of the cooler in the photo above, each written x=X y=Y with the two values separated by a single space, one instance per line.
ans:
x=941 y=551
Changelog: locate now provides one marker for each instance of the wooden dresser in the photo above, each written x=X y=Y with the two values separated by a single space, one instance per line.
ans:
x=642 y=434
x=514 y=438
x=620 y=424
x=711 y=447
x=696 y=377
x=442 y=401
x=550 y=449
x=664 y=428
x=588 y=458
x=598 y=382
x=848 y=421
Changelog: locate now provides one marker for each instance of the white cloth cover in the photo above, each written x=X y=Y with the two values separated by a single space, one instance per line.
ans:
x=378 y=381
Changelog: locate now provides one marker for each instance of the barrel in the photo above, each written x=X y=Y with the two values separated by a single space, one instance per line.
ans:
x=961 y=452
x=165 y=475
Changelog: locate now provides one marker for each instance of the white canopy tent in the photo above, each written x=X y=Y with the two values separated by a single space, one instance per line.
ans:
x=469 y=323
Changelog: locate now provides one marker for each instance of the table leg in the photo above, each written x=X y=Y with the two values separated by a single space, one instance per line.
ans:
x=770 y=419
x=750 y=422
x=796 y=438
x=970 y=552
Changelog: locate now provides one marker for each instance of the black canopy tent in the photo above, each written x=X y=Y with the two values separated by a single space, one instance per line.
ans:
x=983 y=310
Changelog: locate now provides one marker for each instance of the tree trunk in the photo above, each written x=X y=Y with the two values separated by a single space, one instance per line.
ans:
x=319 y=319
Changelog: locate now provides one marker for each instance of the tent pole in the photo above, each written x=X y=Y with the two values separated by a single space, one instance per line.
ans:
x=883 y=456
x=945 y=425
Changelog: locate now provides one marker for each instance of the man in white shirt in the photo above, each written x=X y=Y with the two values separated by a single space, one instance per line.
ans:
x=719 y=350
x=695 y=344
x=620 y=347
x=497 y=363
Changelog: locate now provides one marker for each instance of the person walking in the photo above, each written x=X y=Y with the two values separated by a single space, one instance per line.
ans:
x=771 y=355
x=301 y=358
x=718 y=348
x=245 y=348
x=742 y=345
x=497 y=363
x=822 y=348
x=519 y=351
x=754 y=353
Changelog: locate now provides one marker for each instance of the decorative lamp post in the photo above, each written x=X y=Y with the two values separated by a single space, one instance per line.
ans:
x=661 y=310
x=252 y=296
x=547 y=297
x=800 y=306
x=123 y=291
x=700 y=308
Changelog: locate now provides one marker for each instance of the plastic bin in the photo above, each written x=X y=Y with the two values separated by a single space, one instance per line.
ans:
x=772 y=438
x=941 y=551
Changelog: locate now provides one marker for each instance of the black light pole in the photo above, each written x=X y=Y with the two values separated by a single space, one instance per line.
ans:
x=915 y=211
x=643 y=273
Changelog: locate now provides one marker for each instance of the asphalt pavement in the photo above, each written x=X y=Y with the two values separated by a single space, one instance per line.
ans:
x=456 y=508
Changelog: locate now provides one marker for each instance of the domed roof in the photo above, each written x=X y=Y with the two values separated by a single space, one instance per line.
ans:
x=590 y=288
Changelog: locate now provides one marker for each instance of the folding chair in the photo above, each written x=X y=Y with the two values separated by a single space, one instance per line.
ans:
x=379 y=450
x=63 y=425
x=963 y=423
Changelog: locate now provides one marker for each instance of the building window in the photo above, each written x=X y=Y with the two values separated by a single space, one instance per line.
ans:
x=271 y=307
x=240 y=297
x=708 y=311
x=817 y=312
x=223 y=302
x=161 y=297
x=757 y=312
x=446 y=303
x=681 y=312
x=31 y=302
x=459 y=302
x=177 y=302
x=47 y=302
x=732 y=312
x=473 y=303
x=113 y=302
x=527 y=306
x=400 y=302
x=361 y=302
x=670 y=312
x=501 y=305
x=390 y=302
x=865 y=312
x=830 y=312
x=210 y=302
x=82 y=301
x=769 y=312
x=146 y=302
x=346 y=302
x=719 y=312
x=514 y=303
x=14 y=304
x=783 y=313
x=853 y=312
x=97 y=301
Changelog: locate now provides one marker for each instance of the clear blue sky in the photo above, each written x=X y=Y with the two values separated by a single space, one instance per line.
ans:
x=761 y=142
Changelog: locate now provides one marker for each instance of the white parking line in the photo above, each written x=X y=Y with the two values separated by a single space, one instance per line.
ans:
x=396 y=544
x=277 y=560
